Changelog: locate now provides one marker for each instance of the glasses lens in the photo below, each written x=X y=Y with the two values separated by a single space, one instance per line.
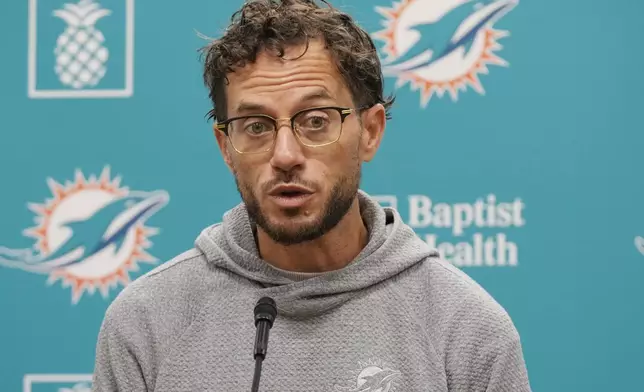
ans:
x=252 y=134
x=318 y=126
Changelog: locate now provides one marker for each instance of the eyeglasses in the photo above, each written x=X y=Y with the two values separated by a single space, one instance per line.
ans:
x=313 y=127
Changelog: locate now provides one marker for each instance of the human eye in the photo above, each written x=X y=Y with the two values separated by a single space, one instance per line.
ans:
x=257 y=126
x=314 y=120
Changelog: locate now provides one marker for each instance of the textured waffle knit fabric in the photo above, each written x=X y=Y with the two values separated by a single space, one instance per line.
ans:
x=398 y=318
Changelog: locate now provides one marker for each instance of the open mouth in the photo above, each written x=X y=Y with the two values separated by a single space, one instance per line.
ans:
x=290 y=196
x=292 y=193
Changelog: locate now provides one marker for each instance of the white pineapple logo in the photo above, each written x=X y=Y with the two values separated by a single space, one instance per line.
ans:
x=80 y=54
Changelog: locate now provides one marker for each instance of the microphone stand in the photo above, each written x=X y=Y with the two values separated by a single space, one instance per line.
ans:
x=258 y=371
x=265 y=313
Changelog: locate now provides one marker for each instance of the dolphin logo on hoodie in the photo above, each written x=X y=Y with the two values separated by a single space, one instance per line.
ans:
x=90 y=235
x=372 y=379
x=442 y=45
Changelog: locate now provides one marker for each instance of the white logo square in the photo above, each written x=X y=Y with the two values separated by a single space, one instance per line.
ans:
x=57 y=382
x=80 y=49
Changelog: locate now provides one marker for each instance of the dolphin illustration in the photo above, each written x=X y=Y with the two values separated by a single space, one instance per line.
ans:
x=639 y=244
x=376 y=382
x=108 y=226
x=77 y=388
x=437 y=39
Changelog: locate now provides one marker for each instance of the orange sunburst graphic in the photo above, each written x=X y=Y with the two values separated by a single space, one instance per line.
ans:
x=457 y=70
x=75 y=204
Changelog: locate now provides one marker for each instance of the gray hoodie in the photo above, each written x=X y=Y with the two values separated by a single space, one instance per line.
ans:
x=398 y=318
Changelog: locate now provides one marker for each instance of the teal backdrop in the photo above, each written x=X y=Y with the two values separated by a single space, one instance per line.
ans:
x=515 y=148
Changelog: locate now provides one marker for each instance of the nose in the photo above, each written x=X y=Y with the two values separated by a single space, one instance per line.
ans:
x=287 y=152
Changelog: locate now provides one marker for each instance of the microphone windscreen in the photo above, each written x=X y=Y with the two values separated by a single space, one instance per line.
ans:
x=265 y=310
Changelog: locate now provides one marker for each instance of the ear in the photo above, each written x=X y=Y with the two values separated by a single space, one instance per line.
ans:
x=224 y=146
x=373 y=124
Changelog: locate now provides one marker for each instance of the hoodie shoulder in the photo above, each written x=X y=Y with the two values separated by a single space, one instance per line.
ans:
x=142 y=323
x=177 y=287
x=463 y=304
x=471 y=331
x=168 y=287
x=164 y=276
x=164 y=301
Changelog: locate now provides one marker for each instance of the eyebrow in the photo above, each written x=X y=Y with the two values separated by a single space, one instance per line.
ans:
x=316 y=95
x=251 y=107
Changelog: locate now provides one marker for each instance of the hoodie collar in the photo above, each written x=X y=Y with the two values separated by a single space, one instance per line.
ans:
x=392 y=247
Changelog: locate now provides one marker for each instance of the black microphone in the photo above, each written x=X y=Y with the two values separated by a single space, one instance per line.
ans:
x=265 y=313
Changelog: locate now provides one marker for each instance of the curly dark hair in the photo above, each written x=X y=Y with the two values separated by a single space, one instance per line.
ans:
x=273 y=25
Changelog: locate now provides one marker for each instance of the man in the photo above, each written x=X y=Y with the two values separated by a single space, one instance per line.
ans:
x=363 y=303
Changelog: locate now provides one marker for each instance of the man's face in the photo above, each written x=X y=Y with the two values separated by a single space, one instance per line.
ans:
x=325 y=179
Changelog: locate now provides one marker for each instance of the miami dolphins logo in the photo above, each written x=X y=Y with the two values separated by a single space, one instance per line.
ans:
x=639 y=244
x=372 y=376
x=90 y=235
x=77 y=388
x=440 y=46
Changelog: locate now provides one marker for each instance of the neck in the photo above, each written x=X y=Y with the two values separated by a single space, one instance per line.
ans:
x=332 y=251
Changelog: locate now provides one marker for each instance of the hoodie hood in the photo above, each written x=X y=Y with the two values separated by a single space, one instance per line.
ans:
x=392 y=248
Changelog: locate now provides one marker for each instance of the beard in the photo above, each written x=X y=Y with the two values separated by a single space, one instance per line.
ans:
x=338 y=203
